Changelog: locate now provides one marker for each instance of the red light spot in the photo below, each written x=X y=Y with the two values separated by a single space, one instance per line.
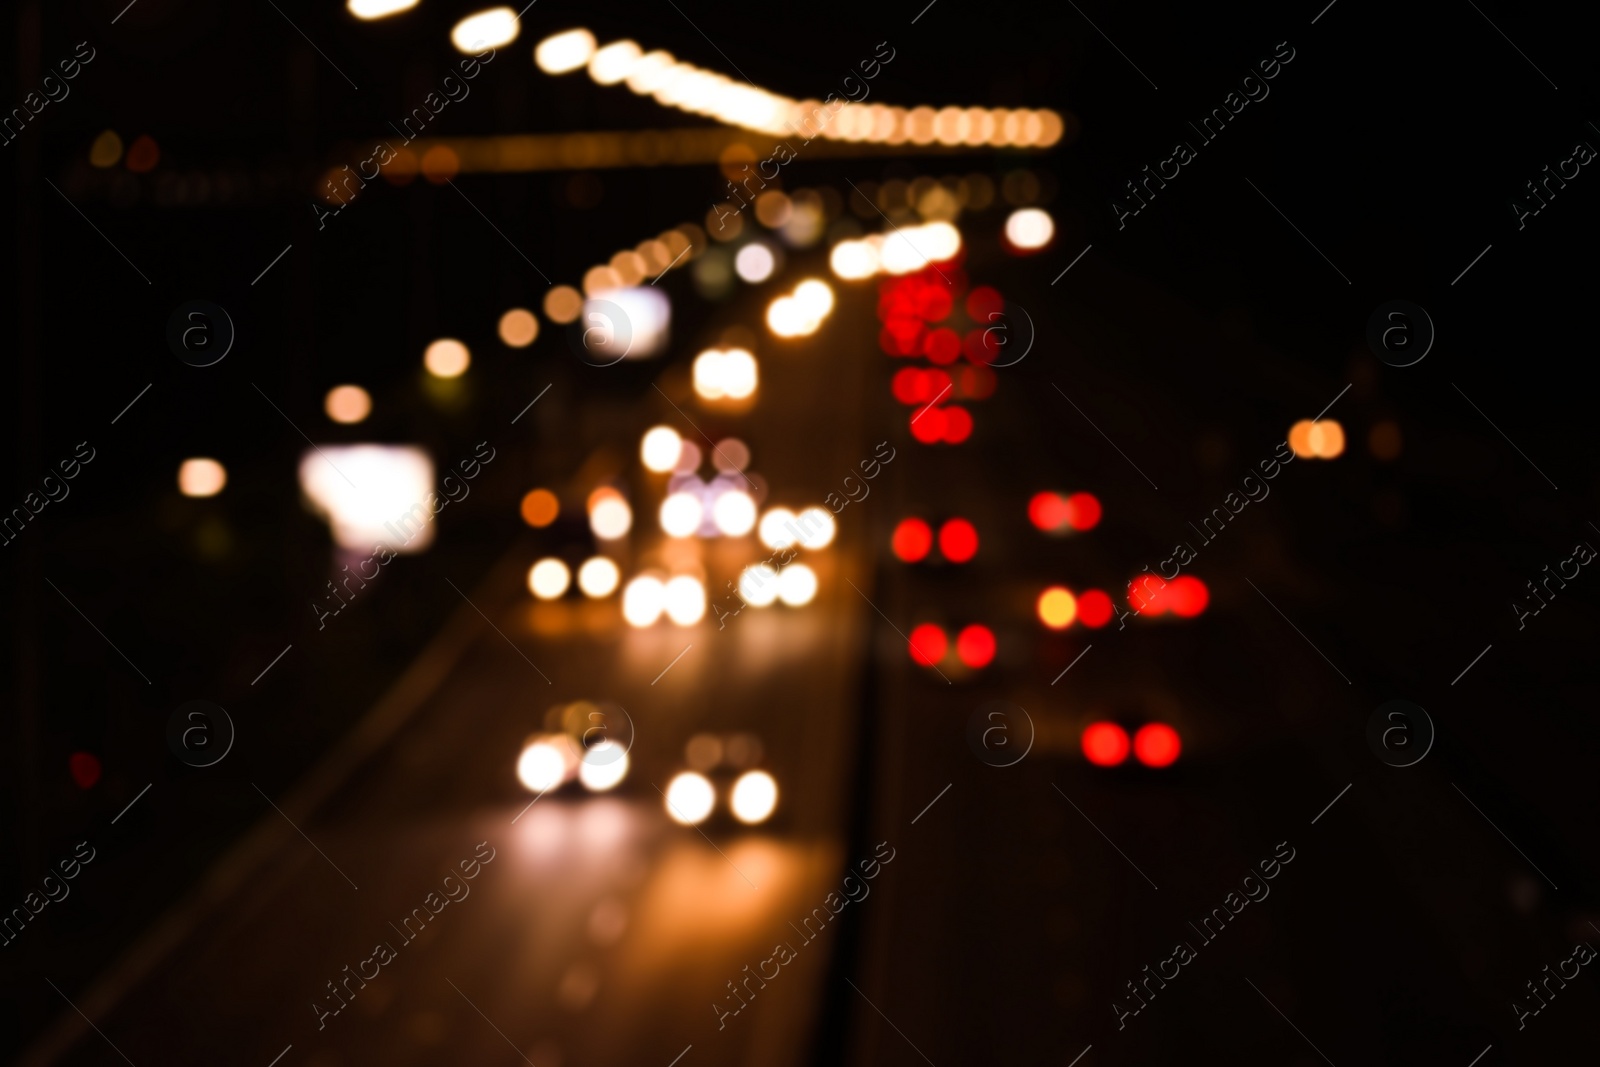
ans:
x=936 y=386
x=942 y=346
x=936 y=303
x=927 y=424
x=143 y=154
x=1156 y=745
x=958 y=540
x=928 y=644
x=957 y=425
x=1083 y=511
x=1187 y=596
x=981 y=346
x=1105 y=744
x=907 y=381
x=977 y=383
x=975 y=646
x=902 y=336
x=1049 y=511
x=895 y=299
x=84 y=768
x=1147 y=595
x=983 y=302
x=911 y=541
x=1094 y=609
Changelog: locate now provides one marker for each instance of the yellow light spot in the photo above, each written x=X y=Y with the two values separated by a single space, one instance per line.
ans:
x=447 y=358
x=106 y=150
x=1057 y=608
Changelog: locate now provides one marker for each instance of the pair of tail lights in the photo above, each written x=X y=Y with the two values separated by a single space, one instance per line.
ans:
x=1155 y=744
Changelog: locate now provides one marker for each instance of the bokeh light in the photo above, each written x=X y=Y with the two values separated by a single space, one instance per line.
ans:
x=1156 y=745
x=347 y=404
x=565 y=52
x=928 y=644
x=1094 y=608
x=543 y=764
x=1384 y=440
x=1049 y=511
x=755 y=262
x=610 y=517
x=975 y=645
x=755 y=796
x=1300 y=439
x=598 y=577
x=958 y=540
x=549 y=578
x=777 y=529
x=614 y=62
x=201 y=477
x=377 y=9
x=730 y=374
x=797 y=585
x=685 y=600
x=540 y=508
x=518 y=328
x=494 y=28
x=643 y=600
x=734 y=513
x=1083 y=511
x=912 y=540
x=660 y=448
x=690 y=798
x=1105 y=744
x=1326 y=439
x=817 y=528
x=758 y=585
x=562 y=304
x=603 y=767
x=1186 y=596
x=446 y=358
x=730 y=455
x=681 y=514
x=1057 y=607
x=1029 y=229
x=107 y=149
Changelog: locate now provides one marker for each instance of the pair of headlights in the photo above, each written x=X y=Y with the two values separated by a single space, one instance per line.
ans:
x=690 y=797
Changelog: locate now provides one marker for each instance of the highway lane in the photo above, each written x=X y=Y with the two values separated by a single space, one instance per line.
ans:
x=601 y=932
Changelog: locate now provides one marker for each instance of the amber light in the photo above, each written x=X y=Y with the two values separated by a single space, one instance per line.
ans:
x=1057 y=607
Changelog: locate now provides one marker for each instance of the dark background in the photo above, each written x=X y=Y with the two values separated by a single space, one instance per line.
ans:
x=1194 y=337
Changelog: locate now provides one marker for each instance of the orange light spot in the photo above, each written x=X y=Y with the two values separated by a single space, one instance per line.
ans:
x=540 y=508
